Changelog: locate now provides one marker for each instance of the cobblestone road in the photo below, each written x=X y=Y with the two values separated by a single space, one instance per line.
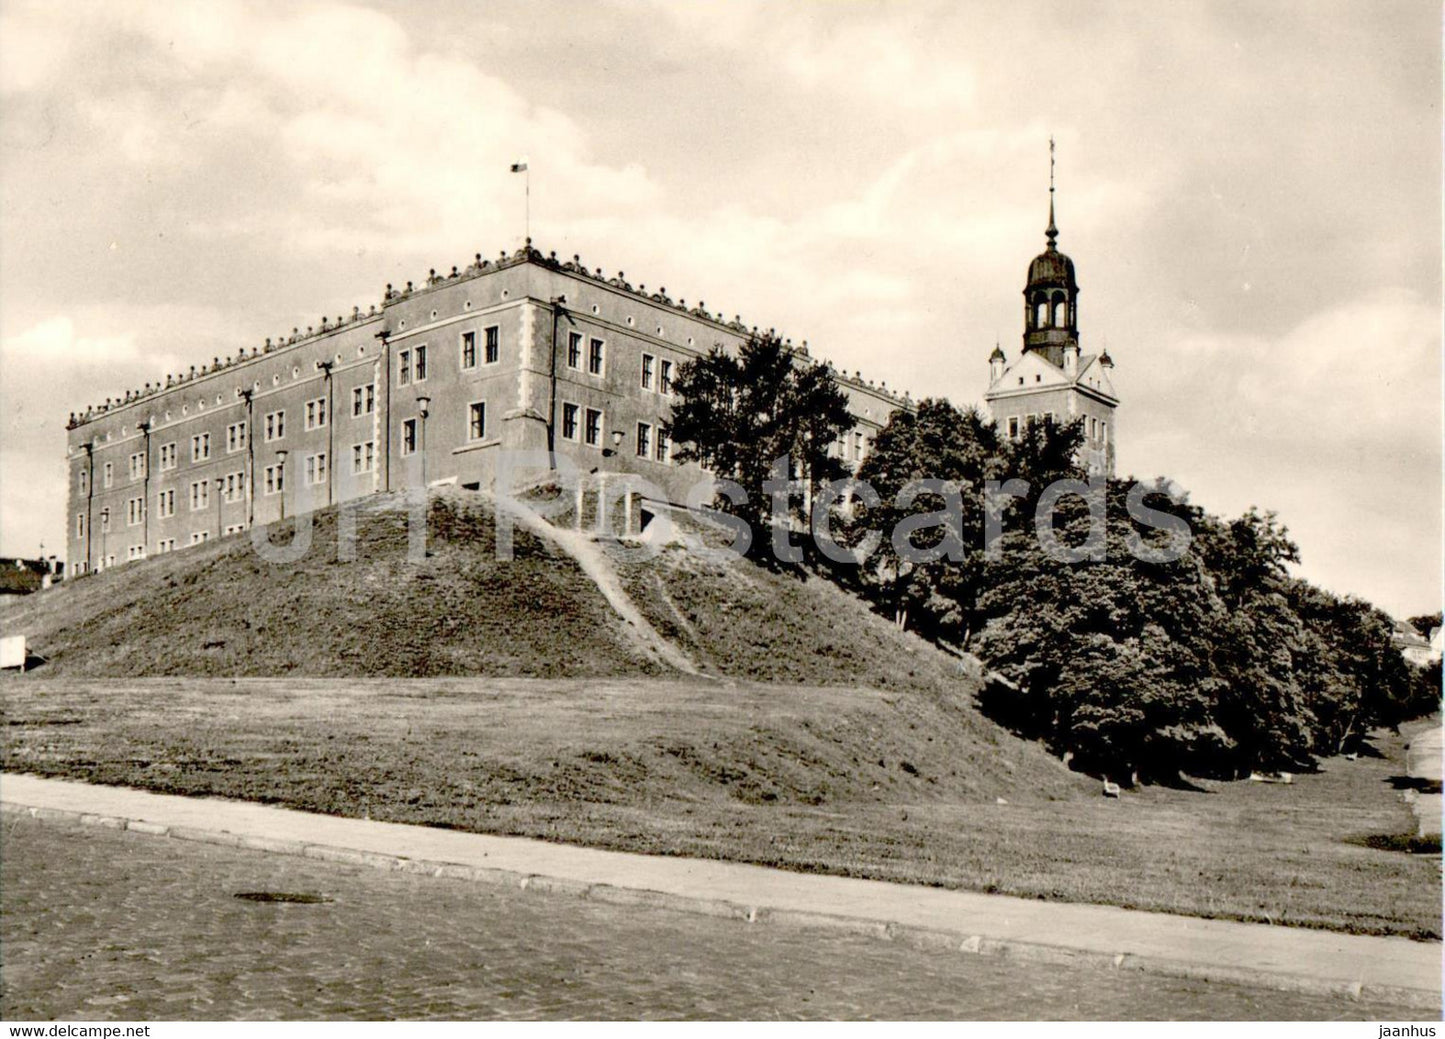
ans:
x=101 y=924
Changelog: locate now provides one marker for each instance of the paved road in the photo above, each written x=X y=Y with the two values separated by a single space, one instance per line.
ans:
x=101 y=924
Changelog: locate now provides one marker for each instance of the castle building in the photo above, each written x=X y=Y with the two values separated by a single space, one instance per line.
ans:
x=525 y=353
x=1052 y=377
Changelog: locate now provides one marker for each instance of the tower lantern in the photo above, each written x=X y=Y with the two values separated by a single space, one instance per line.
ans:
x=1053 y=379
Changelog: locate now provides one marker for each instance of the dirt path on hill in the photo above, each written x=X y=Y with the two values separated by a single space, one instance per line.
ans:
x=597 y=566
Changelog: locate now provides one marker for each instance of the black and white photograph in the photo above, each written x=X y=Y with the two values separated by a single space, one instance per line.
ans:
x=720 y=510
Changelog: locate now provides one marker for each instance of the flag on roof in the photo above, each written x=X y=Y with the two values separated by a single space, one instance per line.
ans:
x=519 y=167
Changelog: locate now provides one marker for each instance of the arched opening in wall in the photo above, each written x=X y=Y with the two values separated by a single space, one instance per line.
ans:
x=1061 y=313
x=1041 y=314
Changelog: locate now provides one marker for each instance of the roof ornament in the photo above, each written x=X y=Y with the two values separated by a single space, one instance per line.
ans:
x=1053 y=232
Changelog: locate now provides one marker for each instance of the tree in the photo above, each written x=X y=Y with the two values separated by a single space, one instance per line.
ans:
x=939 y=442
x=737 y=416
x=1425 y=623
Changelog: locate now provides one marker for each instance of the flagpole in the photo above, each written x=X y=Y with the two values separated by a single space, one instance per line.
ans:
x=527 y=219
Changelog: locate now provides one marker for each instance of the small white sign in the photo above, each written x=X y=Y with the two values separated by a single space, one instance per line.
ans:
x=12 y=651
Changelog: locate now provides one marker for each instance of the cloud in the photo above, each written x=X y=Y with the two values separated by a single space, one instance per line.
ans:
x=1335 y=423
x=872 y=54
x=39 y=368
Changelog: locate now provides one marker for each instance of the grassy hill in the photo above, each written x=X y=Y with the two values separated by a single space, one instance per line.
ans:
x=511 y=697
x=220 y=610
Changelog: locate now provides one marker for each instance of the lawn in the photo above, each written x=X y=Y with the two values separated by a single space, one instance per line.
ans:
x=891 y=785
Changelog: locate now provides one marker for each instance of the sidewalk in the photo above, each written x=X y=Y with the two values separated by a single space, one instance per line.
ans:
x=1424 y=762
x=1287 y=958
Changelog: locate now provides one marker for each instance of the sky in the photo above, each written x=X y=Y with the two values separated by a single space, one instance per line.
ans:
x=1250 y=192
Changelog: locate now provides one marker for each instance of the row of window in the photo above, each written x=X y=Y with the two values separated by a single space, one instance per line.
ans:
x=411 y=361
x=411 y=368
x=584 y=425
x=1060 y=314
x=854 y=446
x=1098 y=429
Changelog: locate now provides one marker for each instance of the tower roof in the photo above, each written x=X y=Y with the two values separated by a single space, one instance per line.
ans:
x=1051 y=268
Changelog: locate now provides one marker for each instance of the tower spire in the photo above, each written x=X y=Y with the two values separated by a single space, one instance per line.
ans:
x=1053 y=232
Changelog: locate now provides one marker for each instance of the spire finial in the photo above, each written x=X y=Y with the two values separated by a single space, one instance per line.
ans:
x=1053 y=232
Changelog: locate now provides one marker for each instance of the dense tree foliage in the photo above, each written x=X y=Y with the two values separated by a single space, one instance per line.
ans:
x=1213 y=660
x=738 y=415
x=1426 y=623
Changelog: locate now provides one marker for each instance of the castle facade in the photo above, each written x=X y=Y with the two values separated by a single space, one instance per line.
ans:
x=525 y=353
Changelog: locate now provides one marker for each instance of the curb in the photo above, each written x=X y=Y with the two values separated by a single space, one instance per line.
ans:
x=924 y=939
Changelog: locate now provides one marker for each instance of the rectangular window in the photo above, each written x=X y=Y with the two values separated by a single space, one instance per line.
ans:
x=275 y=425
x=168 y=456
x=857 y=446
x=419 y=366
x=137 y=466
x=592 y=428
x=316 y=469
x=648 y=361
x=477 y=420
x=363 y=400
x=664 y=446
x=569 y=422
x=574 y=351
x=135 y=512
x=200 y=495
x=165 y=545
x=84 y=481
x=363 y=457
x=403 y=367
x=666 y=384
x=275 y=479
x=408 y=436
x=1013 y=427
x=234 y=528
x=594 y=357
x=80 y=524
x=166 y=503
x=1103 y=432
x=199 y=536
x=644 y=440
x=107 y=474
x=200 y=447
x=316 y=413
x=235 y=489
x=135 y=552
x=469 y=349
x=494 y=345
x=235 y=437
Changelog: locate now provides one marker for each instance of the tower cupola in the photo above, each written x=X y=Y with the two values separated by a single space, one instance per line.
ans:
x=1051 y=314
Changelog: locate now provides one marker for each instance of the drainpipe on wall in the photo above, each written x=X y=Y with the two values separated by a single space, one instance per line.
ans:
x=89 y=500
x=386 y=386
x=326 y=367
x=145 y=502
x=250 y=459
x=557 y=304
